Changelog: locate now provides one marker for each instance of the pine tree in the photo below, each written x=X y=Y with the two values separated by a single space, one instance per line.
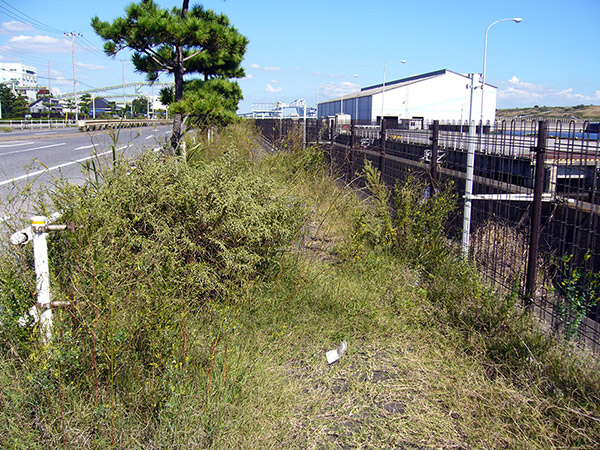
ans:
x=176 y=41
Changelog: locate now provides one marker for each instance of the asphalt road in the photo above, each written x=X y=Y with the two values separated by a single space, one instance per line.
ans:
x=36 y=157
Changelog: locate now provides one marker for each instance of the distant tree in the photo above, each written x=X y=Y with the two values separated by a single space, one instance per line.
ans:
x=140 y=106
x=209 y=103
x=85 y=104
x=21 y=106
x=13 y=106
x=176 y=41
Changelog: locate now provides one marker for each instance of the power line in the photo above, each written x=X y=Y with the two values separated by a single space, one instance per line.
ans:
x=91 y=47
x=32 y=60
x=33 y=22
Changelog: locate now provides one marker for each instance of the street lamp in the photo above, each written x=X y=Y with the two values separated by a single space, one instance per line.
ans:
x=323 y=85
x=514 y=19
x=470 y=172
x=342 y=103
x=403 y=61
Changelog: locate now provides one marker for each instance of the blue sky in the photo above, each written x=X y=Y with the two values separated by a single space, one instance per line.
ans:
x=300 y=47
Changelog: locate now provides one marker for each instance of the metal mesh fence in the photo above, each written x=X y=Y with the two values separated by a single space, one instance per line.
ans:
x=549 y=253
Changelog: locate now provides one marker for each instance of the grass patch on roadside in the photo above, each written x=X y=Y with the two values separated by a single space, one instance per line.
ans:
x=204 y=296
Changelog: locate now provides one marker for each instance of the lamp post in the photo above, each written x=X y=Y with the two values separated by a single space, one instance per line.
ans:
x=342 y=102
x=514 y=19
x=470 y=172
x=323 y=85
x=403 y=61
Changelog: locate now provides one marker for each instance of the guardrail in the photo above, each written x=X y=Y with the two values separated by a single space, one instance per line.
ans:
x=27 y=124
x=95 y=125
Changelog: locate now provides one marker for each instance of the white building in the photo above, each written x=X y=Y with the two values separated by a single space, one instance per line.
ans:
x=21 y=77
x=443 y=95
x=18 y=73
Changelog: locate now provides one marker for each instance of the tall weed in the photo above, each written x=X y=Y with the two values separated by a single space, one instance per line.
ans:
x=153 y=280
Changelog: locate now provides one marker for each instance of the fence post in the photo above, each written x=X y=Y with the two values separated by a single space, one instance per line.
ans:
x=40 y=253
x=434 y=156
x=351 y=152
x=318 y=139
x=382 y=154
x=536 y=215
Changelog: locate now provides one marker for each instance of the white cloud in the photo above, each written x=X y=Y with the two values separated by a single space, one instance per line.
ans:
x=90 y=66
x=266 y=69
x=58 y=78
x=14 y=27
x=62 y=81
x=270 y=88
x=334 y=90
x=37 y=44
x=515 y=92
x=274 y=81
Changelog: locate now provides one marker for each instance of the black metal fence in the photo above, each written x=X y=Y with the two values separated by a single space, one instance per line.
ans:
x=534 y=220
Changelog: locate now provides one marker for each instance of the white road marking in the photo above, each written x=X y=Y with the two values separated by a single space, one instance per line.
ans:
x=14 y=144
x=151 y=136
x=32 y=149
x=84 y=147
x=50 y=169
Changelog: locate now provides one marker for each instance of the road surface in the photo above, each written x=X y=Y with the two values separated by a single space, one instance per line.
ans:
x=36 y=157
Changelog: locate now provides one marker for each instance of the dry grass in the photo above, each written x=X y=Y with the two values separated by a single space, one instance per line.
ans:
x=414 y=376
x=585 y=112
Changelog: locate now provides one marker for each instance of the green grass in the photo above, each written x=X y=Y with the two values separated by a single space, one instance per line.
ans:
x=215 y=336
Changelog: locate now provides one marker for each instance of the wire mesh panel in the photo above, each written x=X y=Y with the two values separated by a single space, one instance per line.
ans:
x=508 y=159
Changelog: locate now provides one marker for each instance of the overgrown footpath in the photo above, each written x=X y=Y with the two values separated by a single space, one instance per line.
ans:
x=203 y=295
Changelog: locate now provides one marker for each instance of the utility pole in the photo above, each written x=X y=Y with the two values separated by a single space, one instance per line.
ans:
x=73 y=34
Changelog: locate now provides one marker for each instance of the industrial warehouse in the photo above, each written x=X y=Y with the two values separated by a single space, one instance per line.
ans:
x=441 y=95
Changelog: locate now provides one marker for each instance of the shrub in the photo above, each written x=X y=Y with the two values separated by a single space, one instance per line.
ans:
x=150 y=278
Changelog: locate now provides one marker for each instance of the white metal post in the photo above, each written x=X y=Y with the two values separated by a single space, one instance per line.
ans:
x=304 y=143
x=40 y=254
x=466 y=233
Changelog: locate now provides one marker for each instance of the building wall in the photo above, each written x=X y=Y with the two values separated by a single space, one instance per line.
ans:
x=357 y=107
x=18 y=73
x=445 y=97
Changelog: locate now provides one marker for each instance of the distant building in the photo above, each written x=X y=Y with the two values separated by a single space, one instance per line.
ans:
x=441 y=95
x=100 y=106
x=43 y=93
x=21 y=77
x=46 y=106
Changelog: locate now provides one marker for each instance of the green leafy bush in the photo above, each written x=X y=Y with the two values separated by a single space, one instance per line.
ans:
x=164 y=250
